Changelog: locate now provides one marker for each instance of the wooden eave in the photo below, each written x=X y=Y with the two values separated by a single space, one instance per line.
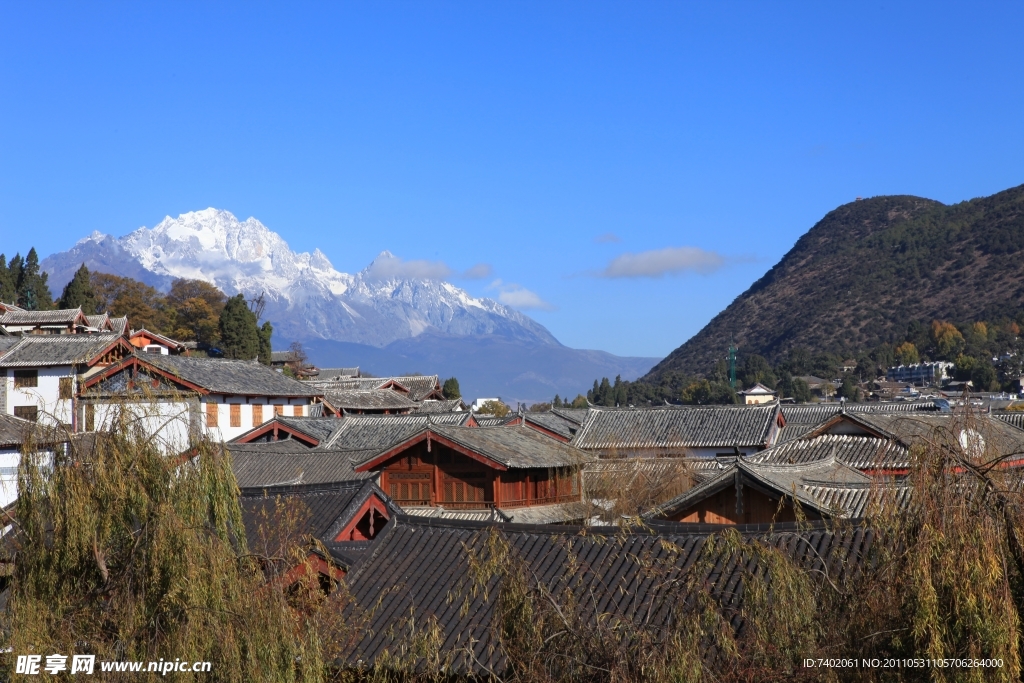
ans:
x=844 y=417
x=276 y=427
x=430 y=436
x=120 y=341
x=546 y=431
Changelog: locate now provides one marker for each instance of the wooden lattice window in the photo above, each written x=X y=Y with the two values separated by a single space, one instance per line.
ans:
x=27 y=412
x=297 y=411
x=278 y=410
x=257 y=415
x=236 y=415
x=90 y=417
x=26 y=379
x=211 y=414
x=65 y=387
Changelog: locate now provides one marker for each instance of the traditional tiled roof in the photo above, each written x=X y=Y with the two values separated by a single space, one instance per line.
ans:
x=56 y=349
x=370 y=437
x=1014 y=418
x=816 y=413
x=859 y=452
x=240 y=377
x=512 y=447
x=434 y=406
x=330 y=507
x=284 y=462
x=609 y=477
x=373 y=399
x=98 y=321
x=119 y=325
x=998 y=437
x=159 y=338
x=577 y=415
x=489 y=421
x=337 y=373
x=826 y=486
x=679 y=427
x=418 y=571
x=438 y=512
x=419 y=386
x=66 y=316
x=14 y=431
x=7 y=343
x=553 y=422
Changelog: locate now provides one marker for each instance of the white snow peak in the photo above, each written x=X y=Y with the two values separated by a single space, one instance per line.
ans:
x=306 y=296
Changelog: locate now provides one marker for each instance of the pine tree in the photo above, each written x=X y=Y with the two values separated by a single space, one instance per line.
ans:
x=604 y=393
x=265 y=333
x=239 y=336
x=79 y=293
x=33 y=292
x=8 y=288
x=14 y=269
x=451 y=389
x=557 y=402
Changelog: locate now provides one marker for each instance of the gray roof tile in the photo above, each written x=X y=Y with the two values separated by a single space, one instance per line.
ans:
x=65 y=316
x=372 y=399
x=677 y=427
x=420 y=569
x=827 y=486
x=241 y=377
x=56 y=349
x=513 y=447
x=282 y=462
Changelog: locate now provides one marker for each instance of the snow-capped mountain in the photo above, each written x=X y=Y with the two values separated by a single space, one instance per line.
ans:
x=306 y=297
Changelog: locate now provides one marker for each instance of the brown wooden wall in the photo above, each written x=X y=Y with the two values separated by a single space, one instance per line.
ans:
x=445 y=477
x=720 y=508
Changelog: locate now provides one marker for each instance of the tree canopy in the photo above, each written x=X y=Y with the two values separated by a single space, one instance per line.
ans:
x=79 y=293
x=239 y=336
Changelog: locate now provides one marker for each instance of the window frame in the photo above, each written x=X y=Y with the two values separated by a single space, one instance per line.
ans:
x=26 y=379
x=30 y=413
x=212 y=413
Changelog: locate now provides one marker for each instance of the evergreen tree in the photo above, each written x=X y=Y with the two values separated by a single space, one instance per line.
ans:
x=33 y=292
x=79 y=292
x=451 y=389
x=849 y=390
x=557 y=403
x=265 y=333
x=8 y=288
x=239 y=336
x=14 y=269
x=619 y=391
x=605 y=397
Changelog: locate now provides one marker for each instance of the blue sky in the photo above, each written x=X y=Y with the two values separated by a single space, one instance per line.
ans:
x=626 y=169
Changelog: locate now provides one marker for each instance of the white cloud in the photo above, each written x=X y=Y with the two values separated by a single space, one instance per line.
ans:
x=607 y=238
x=478 y=272
x=519 y=297
x=668 y=261
x=387 y=266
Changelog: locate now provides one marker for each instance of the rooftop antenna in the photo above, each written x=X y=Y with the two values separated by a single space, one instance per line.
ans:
x=732 y=366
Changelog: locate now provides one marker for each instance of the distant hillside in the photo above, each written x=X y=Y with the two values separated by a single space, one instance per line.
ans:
x=867 y=270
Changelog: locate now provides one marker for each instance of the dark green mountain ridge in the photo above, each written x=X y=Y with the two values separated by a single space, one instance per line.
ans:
x=864 y=272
